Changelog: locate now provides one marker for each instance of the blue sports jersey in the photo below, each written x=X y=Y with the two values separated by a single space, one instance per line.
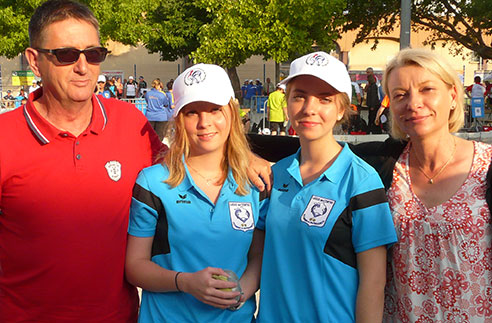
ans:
x=312 y=235
x=190 y=234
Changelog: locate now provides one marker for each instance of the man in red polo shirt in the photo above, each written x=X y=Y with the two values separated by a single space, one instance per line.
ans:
x=68 y=162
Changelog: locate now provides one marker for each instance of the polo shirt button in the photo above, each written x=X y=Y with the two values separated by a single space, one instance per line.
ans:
x=64 y=134
x=211 y=210
x=78 y=156
x=298 y=197
x=78 y=142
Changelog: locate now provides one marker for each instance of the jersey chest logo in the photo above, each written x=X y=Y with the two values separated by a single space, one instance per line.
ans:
x=317 y=211
x=241 y=214
x=113 y=168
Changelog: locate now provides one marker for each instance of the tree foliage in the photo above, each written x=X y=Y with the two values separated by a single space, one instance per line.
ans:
x=119 y=20
x=464 y=23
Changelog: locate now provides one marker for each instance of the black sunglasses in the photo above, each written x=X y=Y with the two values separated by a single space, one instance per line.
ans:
x=93 y=55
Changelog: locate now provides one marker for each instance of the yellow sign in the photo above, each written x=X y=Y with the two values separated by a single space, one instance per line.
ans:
x=21 y=78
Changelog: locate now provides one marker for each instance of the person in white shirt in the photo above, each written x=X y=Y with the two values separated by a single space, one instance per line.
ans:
x=476 y=90
x=34 y=86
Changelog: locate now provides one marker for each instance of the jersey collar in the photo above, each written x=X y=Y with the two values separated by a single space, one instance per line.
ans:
x=45 y=132
x=188 y=182
x=334 y=173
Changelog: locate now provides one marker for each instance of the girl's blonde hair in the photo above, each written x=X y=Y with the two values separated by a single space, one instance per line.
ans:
x=236 y=156
x=438 y=66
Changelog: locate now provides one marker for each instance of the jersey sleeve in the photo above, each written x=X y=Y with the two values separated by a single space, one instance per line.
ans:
x=372 y=221
x=264 y=202
x=143 y=209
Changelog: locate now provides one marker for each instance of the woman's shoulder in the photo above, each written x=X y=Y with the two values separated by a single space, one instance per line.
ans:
x=158 y=171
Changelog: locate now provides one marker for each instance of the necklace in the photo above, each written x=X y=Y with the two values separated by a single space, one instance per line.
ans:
x=431 y=179
x=209 y=181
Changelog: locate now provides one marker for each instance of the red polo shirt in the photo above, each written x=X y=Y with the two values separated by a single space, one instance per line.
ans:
x=64 y=204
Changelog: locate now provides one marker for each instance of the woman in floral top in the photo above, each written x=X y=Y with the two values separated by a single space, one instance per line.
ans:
x=441 y=268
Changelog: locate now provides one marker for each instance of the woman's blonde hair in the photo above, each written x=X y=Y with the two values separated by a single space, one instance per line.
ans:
x=236 y=156
x=156 y=83
x=342 y=101
x=438 y=66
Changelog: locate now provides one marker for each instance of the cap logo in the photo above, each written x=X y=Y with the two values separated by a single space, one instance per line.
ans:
x=195 y=76
x=317 y=59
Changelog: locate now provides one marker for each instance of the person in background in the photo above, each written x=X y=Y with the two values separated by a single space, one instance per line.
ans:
x=269 y=87
x=250 y=93
x=130 y=88
x=476 y=90
x=119 y=88
x=170 y=95
x=244 y=89
x=158 y=109
x=20 y=97
x=328 y=222
x=34 y=86
x=372 y=102
x=277 y=110
x=382 y=116
x=488 y=92
x=101 y=87
x=112 y=87
x=258 y=88
x=142 y=86
x=8 y=100
x=194 y=215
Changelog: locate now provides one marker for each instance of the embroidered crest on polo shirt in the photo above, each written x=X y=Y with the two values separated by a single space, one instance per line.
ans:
x=195 y=76
x=318 y=59
x=114 y=170
x=241 y=216
x=317 y=211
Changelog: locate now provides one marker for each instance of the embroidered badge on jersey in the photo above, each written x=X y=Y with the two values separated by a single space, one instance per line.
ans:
x=114 y=170
x=241 y=216
x=317 y=211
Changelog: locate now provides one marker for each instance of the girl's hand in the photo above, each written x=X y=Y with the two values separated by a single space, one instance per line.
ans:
x=207 y=289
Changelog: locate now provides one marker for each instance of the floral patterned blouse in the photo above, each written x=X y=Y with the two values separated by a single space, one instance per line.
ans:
x=441 y=267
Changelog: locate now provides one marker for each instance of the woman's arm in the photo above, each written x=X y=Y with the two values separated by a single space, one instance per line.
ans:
x=250 y=280
x=378 y=115
x=142 y=272
x=372 y=279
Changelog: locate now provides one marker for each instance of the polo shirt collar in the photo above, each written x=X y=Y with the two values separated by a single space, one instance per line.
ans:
x=334 y=173
x=45 y=132
x=188 y=182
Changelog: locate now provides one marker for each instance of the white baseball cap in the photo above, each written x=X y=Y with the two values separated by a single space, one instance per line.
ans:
x=202 y=82
x=101 y=78
x=130 y=77
x=323 y=66
x=282 y=86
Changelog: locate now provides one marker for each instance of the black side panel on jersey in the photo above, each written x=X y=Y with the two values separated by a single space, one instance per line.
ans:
x=339 y=243
x=160 y=245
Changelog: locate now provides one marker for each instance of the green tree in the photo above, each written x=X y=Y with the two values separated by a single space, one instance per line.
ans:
x=227 y=33
x=464 y=23
x=119 y=20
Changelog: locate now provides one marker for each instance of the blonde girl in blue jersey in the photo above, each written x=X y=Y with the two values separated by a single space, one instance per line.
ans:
x=194 y=216
x=328 y=222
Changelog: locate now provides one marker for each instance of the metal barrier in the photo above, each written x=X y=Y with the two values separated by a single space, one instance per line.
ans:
x=139 y=103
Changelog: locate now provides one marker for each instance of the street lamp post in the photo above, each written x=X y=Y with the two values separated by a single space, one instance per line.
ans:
x=406 y=10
